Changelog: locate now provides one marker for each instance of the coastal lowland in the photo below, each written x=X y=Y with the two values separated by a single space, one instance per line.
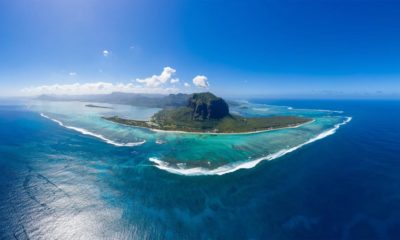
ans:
x=206 y=113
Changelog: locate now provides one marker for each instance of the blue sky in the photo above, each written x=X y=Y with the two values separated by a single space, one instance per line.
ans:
x=320 y=48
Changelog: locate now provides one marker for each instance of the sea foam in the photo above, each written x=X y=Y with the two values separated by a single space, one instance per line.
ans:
x=316 y=110
x=99 y=136
x=261 y=109
x=228 y=168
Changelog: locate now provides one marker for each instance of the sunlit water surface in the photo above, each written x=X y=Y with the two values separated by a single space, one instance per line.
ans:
x=67 y=174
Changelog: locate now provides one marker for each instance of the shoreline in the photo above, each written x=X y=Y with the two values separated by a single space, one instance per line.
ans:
x=230 y=168
x=211 y=133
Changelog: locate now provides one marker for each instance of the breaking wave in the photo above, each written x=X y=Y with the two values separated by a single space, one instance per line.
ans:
x=316 y=110
x=228 y=168
x=99 y=136
x=261 y=109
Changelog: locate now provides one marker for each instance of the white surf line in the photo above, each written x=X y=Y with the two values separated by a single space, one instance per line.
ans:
x=267 y=106
x=86 y=132
x=317 y=110
x=244 y=165
x=261 y=109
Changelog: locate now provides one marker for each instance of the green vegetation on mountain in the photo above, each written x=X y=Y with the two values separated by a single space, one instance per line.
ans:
x=204 y=112
x=206 y=106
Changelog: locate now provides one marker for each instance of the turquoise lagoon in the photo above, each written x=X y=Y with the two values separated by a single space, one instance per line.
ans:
x=194 y=154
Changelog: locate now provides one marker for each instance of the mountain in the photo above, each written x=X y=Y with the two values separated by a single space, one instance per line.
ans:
x=200 y=107
x=206 y=106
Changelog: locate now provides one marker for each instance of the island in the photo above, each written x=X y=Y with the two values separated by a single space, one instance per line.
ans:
x=97 y=106
x=207 y=113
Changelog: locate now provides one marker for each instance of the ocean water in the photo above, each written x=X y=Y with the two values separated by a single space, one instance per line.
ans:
x=66 y=173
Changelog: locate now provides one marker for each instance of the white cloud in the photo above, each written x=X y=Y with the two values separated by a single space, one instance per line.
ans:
x=106 y=53
x=158 y=80
x=175 y=80
x=94 y=88
x=201 y=81
x=164 y=83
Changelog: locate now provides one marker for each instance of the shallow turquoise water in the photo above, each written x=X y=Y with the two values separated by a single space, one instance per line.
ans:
x=195 y=154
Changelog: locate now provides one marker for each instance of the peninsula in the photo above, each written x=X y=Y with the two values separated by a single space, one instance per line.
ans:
x=206 y=113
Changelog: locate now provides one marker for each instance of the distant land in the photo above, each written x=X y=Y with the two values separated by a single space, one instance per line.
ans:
x=134 y=99
x=206 y=113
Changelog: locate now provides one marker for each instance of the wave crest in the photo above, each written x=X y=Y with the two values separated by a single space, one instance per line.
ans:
x=99 y=136
x=228 y=168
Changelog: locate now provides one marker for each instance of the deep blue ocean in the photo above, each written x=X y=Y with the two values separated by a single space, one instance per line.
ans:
x=58 y=184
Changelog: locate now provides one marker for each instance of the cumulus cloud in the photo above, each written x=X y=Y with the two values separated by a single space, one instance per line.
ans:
x=106 y=53
x=164 y=83
x=94 y=88
x=158 y=80
x=200 y=81
x=175 y=80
